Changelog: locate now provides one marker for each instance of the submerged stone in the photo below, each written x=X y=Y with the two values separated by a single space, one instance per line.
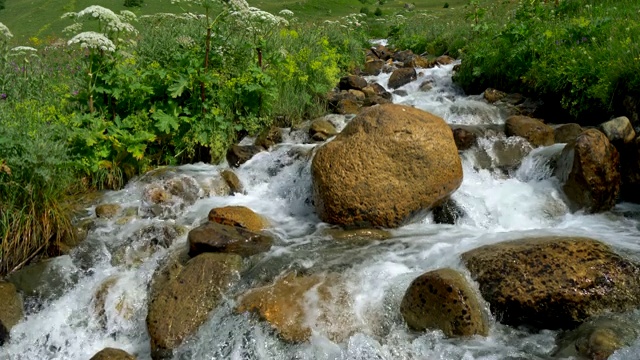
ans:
x=112 y=354
x=11 y=311
x=217 y=238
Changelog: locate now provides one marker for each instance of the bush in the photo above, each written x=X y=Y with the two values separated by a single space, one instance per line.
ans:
x=446 y=5
x=378 y=12
x=365 y=10
x=131 y=3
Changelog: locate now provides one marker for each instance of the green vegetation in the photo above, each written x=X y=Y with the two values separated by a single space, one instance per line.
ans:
x=87 y=111
x=144 y=92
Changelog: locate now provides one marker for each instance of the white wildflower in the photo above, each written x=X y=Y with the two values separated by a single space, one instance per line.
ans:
x=238 y=5
x=73 y=28
x=69 y=15
x=253 y=14
x=111 y=21
x=128 y=16
x=5 y=31
x=286 y=13
x=92 y=40
x=23 y=48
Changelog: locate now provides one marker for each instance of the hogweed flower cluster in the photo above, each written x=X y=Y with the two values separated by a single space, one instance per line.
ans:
x=4 y=31
x=93 y=40
x=109 y=21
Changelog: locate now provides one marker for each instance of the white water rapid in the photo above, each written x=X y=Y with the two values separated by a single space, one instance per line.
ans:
x=526 y=201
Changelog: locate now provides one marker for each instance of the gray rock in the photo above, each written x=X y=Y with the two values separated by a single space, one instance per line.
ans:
x=619 y=130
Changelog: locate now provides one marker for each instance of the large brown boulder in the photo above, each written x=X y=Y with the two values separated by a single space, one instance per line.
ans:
x=535 y=131
x=112 y=354
x=107 y=211
x=402 y=77
x=322 y=129
x=269 y=137
x=373 y=67
x=352 y=82
x=553 y=282
x=240 y=216
x=182 y=297
x=11 y=311
x=443 y=299
x=388 y=163
x=589 y=169
x=214 y=237
x=294 y=303
x=4 y=334
x=493 y=95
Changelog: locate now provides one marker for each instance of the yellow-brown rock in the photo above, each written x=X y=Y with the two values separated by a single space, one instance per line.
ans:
x=553 y=282
x=293 y=302
x=107 y=211
x=183 y=296
x=11 y=311
x=443 y=299
x=389 y=162
x=240 y=216
x=233 y=181
x=589 y=168
x=112 y=354
x=535 y=131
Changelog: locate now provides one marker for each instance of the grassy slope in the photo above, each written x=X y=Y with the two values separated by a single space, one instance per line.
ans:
x=41 y=18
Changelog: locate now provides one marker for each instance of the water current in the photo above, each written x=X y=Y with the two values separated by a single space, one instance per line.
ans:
x=499 y=205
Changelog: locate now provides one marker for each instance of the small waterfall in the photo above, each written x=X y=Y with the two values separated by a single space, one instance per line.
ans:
x=101 y=300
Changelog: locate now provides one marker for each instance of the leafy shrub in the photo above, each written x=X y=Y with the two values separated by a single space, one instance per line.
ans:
x=378 y=12
x=446 y=5
x=365 y=10
x=133 y=3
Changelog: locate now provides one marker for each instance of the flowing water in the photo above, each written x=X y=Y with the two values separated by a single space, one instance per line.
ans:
x=525 y=201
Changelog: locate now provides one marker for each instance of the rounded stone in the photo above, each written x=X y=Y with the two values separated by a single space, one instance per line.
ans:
x=233 y=181
x=107 y=211
x=112 y=354
x=183 y=296
x=11 y=310
x=588 y=167
x=217 y=238
x=444 y=300
x=535 y=131
x=567 y=132
x=402 y=77
x=388 y=163
x=240 y=216
x=553 y=282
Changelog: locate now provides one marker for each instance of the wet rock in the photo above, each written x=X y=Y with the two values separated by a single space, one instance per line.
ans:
x=352 y=82
x=240 y=154
x=182 y=298
x=599 y=337
x=553 y=282
x=295 y=303
x=420 y=62
x=502 y=154
x=444 y=300
x=426 y=85
x=589 y=170
x=567 y=132
x=184 y=187
x=373 y=68
x=493 y=95
x=44 y=280
x=217 y=186
x=401 y=92
x=464 y=138
x=107 y=211
x=145 y=242
x=11 y=311
x=389 y=162
x=369 y=91
x=382 y=52
x=535 y=131
x=4 y=334
x=156 y=194
x=381 y=91
x=445 y=60
x=358 y=234
x=449 y=212
x=359 y=95
x=269 y=137
x=630 y=168
x=213 y=237
x=233 y=181
x=100 y=299
x=619 y=130
x=347 y=106
x=239 y=216
x=322 y=129
x=403 y=56
x=401 y=77
x=376 y=100
x=112 y=354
